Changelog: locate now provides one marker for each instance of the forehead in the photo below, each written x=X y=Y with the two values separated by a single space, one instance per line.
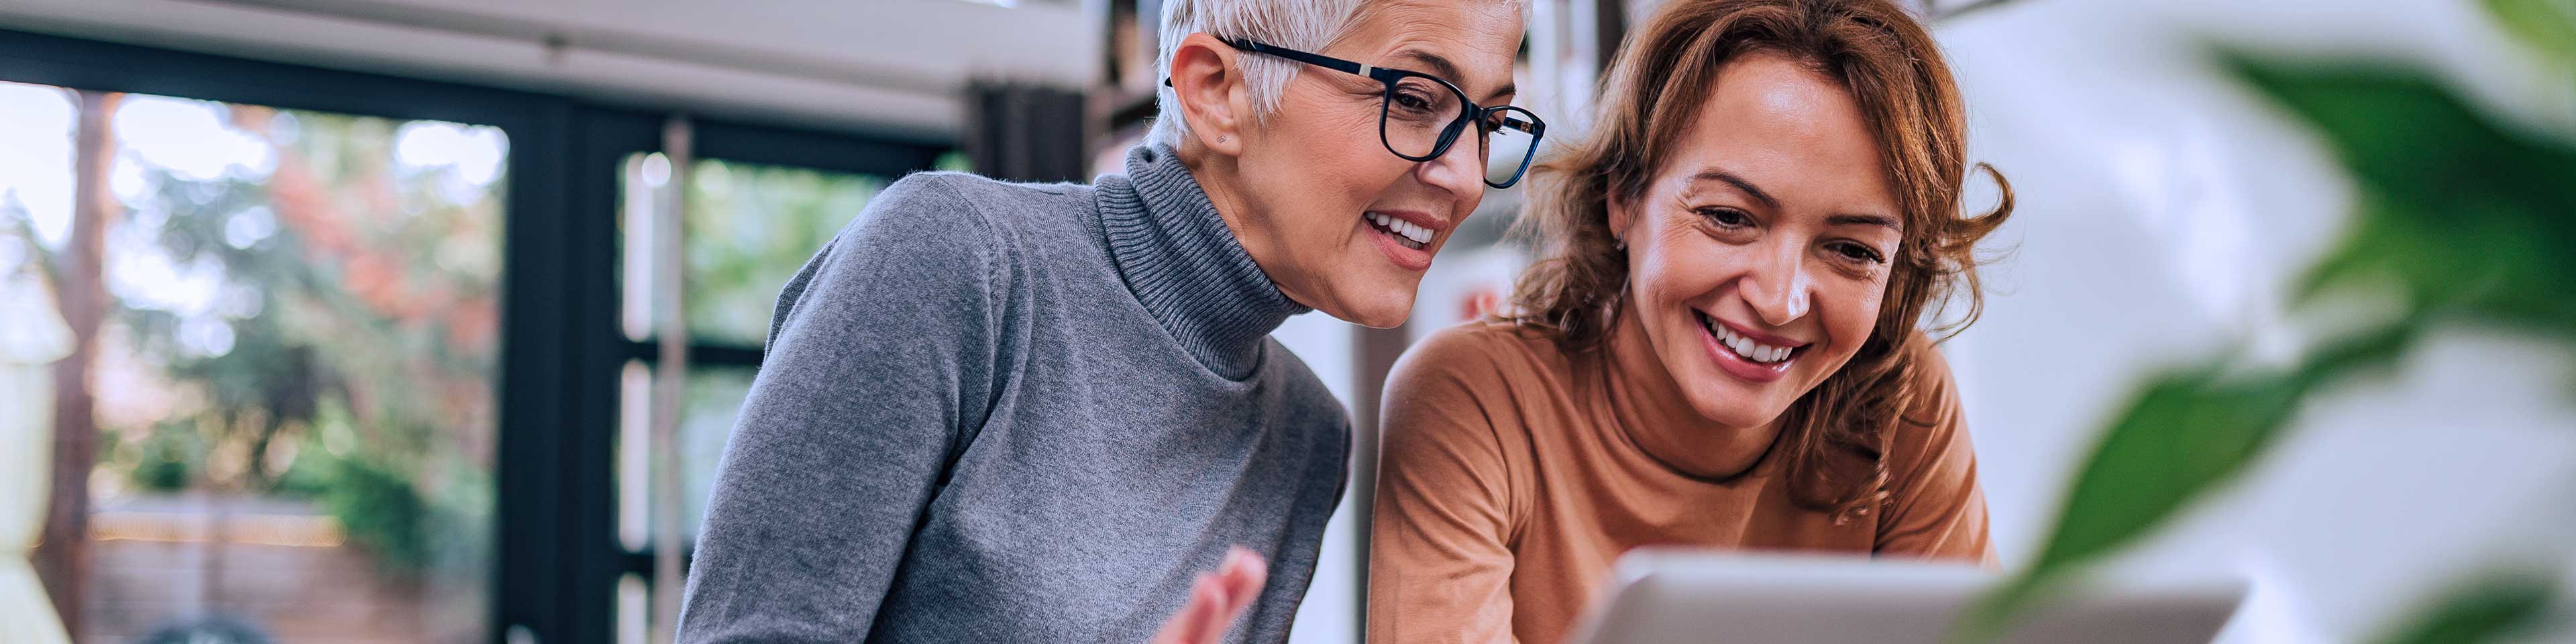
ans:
x=1791 y=130
x=1478 y=38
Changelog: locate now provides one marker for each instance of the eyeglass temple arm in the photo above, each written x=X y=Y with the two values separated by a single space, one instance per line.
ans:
x=1317 y=60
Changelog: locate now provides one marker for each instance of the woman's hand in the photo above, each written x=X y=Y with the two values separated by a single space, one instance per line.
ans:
x=1216 y=600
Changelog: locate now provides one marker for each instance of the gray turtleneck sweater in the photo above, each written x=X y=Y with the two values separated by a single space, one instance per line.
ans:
x=996 y=412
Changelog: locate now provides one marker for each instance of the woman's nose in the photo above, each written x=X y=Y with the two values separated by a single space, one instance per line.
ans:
x=1460 y=169
x=1780 y=290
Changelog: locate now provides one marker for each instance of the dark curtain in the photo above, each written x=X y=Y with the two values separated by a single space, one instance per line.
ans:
x=1020 y=132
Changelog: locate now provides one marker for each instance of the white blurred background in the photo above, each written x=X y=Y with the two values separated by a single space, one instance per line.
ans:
x=2164 y=210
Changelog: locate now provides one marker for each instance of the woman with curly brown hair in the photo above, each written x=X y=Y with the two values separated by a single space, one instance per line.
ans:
x=1721 y=345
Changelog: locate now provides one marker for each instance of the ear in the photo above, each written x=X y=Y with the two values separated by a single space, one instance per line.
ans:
x=1213 y=98
x=1621 y=214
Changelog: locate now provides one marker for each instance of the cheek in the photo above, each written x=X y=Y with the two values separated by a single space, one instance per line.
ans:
x=1849 y=310
x=1329 y=132
x=1318 y=175
x=1674 y=271
x=1332 y=135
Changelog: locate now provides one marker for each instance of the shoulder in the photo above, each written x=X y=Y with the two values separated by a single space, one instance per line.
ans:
x=927 y=244
x=981 y=208
x=1933 y=428
x=993 y=195
x=924 y=213
x=1484 y=354
x=953 y=224
x=1935 y=390
x=1457 y=416
x=1476 y=383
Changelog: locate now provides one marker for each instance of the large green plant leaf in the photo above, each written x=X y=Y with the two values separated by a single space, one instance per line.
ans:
x=2460 y=214
x=2547 y=24
x=2478 y=613
x=2188 y=433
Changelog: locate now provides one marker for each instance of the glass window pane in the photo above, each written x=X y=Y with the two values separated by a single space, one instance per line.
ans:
x=292 y=387
x=707 y=414
x=633 y=601
x=747 y=230
x=712 y=399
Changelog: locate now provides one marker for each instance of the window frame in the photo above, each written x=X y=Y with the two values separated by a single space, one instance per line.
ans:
x=557 y=557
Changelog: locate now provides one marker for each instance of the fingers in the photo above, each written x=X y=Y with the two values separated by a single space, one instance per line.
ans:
x=1217 y=599
x=1243 y=574
x=1207 y=605
x=1240 y=579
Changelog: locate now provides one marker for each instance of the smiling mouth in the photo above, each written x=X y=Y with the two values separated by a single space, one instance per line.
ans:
x=1747 y=348
x=1404 y=232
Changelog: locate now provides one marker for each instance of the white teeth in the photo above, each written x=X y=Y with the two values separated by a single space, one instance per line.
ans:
x=1743 y=346
x=1402 y=228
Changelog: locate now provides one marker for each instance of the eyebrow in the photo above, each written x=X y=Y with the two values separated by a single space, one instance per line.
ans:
x=1441 y=67
x=1713 y=174
x=1729 y=178
x=1863 y=220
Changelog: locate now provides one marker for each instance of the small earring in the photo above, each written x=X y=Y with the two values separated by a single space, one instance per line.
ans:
x=1220 y=138
x=1620 y=244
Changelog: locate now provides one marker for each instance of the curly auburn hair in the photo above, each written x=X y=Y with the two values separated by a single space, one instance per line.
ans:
x=1663 y=75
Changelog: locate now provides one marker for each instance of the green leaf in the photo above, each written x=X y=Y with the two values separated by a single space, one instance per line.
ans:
x=2549 y=25
x=2464 y=215
x=2188 y=434
x=2480 y=613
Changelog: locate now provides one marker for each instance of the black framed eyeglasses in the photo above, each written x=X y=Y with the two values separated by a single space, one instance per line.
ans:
x=1422 y=115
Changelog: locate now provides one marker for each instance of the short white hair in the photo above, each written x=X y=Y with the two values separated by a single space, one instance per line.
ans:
x=1306 y=25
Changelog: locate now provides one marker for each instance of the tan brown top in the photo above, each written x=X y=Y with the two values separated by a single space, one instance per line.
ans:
x=1513 y=476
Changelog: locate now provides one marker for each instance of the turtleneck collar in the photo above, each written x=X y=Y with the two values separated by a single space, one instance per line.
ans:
x=1185 y=265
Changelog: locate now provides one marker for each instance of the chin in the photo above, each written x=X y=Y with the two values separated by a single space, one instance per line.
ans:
x=1384 y=311
x=1729 y=406
x=1748 y=421
x=1385 y=317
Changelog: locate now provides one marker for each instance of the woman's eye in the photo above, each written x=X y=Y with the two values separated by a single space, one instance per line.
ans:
x=1727 y=217
x=1857 y=252
x=1413 y=102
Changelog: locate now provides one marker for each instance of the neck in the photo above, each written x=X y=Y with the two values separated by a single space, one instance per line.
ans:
x=1218 y=175
x=1656 y=415
x=1184 y=265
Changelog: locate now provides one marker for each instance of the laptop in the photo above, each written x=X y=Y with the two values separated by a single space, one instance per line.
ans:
x=1673 y=596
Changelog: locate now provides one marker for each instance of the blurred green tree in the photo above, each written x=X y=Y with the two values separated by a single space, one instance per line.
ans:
x=351 y=347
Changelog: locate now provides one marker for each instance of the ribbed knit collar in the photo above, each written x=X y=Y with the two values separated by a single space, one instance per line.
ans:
x=1182 y=262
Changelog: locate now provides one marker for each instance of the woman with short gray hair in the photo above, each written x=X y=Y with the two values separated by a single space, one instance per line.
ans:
x=1034 y=413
